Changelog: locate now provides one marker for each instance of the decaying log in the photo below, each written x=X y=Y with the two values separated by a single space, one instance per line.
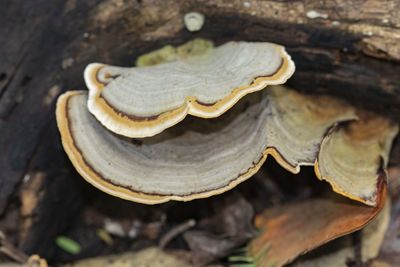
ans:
x=346 y=48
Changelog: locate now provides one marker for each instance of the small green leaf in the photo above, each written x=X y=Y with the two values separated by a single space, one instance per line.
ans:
x=68 y=245
x=245 y=259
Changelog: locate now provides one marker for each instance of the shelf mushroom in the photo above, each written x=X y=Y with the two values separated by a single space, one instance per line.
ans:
x=353 y=157
x=144 y=101
x=201 y=157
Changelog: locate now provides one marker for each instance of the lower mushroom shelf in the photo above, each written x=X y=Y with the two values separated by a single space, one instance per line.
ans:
x=199 y=158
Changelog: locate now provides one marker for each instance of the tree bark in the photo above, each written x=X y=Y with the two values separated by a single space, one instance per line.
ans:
x=346 y=48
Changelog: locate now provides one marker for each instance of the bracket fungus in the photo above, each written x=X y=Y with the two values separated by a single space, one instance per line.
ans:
x=143 y=101
x=199 y=158
x=202 y=157
x=353 y=157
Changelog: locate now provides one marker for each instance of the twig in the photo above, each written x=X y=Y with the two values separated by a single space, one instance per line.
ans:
x=10 y=251
x=175 y=231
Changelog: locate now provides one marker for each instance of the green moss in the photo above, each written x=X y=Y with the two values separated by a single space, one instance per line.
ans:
x=194 y=47
x=165 y=54
x=169 y=53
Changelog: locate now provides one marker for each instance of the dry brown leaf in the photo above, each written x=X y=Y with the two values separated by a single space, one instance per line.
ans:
x=334 y=254
x=373 y=235
x=345 y=248
x=291 y=230
x=390 y=251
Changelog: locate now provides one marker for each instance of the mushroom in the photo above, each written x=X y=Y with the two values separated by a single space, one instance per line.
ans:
x=194 y=21
x=299 y=123
x=144 y=101
x=201 y=157
x=353 y=156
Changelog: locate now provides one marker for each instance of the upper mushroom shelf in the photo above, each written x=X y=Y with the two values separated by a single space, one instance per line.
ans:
x=144 y=101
